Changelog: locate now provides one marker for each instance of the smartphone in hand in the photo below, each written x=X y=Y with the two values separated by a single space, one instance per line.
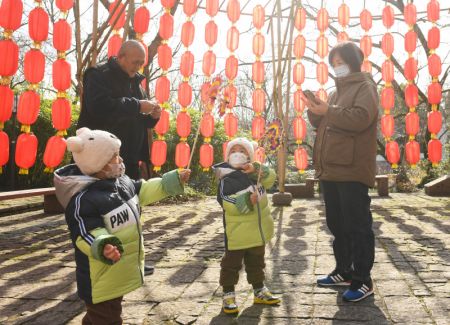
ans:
x=310 y=96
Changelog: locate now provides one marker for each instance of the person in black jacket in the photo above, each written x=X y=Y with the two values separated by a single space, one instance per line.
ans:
x=114 y=101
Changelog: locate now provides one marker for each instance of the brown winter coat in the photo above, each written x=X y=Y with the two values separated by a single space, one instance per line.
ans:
x=346 y=142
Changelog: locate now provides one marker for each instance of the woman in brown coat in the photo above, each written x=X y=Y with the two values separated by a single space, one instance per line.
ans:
x=344 y=158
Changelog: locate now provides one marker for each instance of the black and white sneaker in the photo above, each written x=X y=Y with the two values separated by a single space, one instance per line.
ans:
x=358 y=290
x=335 y=279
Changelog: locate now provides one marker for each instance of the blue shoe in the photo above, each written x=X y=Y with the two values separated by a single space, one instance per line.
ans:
x=335 y=279
x=358 y=290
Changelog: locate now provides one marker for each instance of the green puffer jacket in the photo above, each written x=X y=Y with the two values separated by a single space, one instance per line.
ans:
x=100 y=212
x=246 y=225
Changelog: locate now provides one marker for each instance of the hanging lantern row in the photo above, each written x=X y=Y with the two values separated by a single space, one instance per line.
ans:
x=366 y=41
x=388 y=94
x=343 y=20
x=322 y=51
x=434 y=89
x=299 y=124
x=116 y=21
x=162 y=87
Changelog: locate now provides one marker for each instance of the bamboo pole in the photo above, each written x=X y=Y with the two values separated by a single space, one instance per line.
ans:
x=78 y=48
x=94 y=34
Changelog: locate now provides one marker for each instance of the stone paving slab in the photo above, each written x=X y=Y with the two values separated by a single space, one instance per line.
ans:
x=185 y=242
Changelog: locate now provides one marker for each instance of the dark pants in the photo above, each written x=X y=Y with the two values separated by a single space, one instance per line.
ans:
x=132 y=170
x=232 y=263
x=104 y=313
x=349 y=219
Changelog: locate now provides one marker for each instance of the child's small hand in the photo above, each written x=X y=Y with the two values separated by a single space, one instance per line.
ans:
x=111 y=252
x=254 y=198
x=248 y=168
x=184 y=175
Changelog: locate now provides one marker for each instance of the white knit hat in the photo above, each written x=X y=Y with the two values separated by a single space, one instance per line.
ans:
x=93 y=149
x=250 y=147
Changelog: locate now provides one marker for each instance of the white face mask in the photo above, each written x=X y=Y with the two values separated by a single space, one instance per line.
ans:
x=237 y=159
x=341 y=71
x=115 y=170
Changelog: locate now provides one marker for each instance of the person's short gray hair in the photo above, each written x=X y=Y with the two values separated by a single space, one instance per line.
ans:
x=129 y=45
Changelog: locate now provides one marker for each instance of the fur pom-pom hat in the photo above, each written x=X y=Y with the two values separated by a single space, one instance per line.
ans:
x=93 y=149
x=250 y=147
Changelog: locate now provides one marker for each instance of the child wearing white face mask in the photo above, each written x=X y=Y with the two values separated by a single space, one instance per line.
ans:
x=247 y=221
x=103 y=210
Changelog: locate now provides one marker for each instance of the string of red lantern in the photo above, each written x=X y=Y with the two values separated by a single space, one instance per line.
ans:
x=366 y=41
x=231 y=69
x=182 y=150
x=299 y=124
x=208 y=68
x=434 y=89
x=322 y=51
x=10 y=20
x=162 y=86
x=387 y=94
x=61 y=76
x=141 y=22
x=116 y=22
x=343 y=19
x=412 y=148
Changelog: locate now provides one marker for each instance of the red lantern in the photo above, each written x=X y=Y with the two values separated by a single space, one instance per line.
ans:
x=392 y=153
x=322 y=46
x=387 y=98
x=9 y=57
x=61 y=112
x=207 y=125
x=114 y=44
x=387 y=71
x=366 y=20
x=411 y=69
x=435 y=151
x=164 y=57
x=434 y=65
x=38 y=21
x=388 y=17
x=141 y=20
x=434 y=122
x=258 y=72
x=258 y=127
x=410 y=41
x=299 y=73
x=34 y=66
x=159 y=153
x=299 y=104
x=11 y=14
x=232 y=39
x=231 y=67
x=28 y=108
x=146 y=53
x=189 y=7
x=387 y=125
x=412 y=121
x=233 y=10
x=182 y=154
x=183 y=124
x=62 y=35
x=4 y=149
x=187 y=64
x=299 y=126
x=322 y=73
x=433 y=10
x=387 y=44
x=435 y=93
x=322 y=94
x=206 y=156
x=300 y=19
x=6 y=104
x=64 y=5
x=342 y=37
x=211 y=32
x=209 y=63
x=162 y=89
x=61 y=75
x=412 y=149
x=434 y=38
x=299 y=46
x=366 y=45
x=167 y=3
x=54 y=152
x=230 y=92
x=410 y=14
x=166 y=26
x=258 y=100
x=26 y=150
x=258 y=17
x=411 y=95
x=322 y=19
x=184 y=94
x=187 y=33
x=162 y=127
x=116 y=21
x=231 y=124
x=343 y=15
x=212 y=7
x=258 y=44
x=301 y=158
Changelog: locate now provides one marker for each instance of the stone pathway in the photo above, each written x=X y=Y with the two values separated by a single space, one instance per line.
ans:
x=411 y=273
